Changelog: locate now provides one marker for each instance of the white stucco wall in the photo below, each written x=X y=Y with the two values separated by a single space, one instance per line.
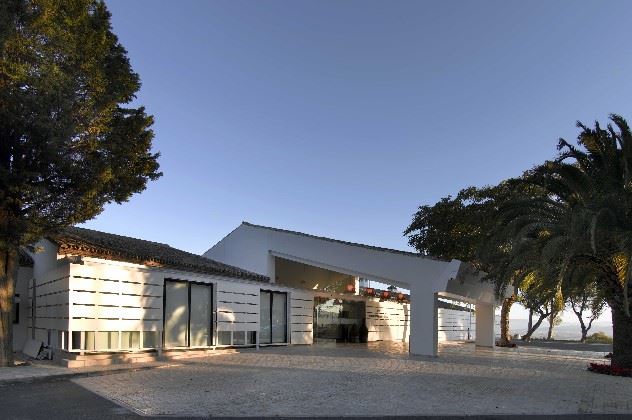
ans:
x=249 y=247
x=78 y=295
x=389 y=321
x=254 y=248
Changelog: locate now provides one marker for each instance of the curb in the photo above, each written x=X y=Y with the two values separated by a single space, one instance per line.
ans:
x=71 y=375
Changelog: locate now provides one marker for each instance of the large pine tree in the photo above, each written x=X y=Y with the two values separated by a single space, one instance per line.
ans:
x=68 y=143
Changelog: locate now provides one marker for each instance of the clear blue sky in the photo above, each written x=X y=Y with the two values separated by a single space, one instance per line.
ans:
x=339 y=118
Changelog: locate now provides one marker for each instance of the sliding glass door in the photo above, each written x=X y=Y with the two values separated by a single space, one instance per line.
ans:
x=273 y=321
x=188 y=314
x=176 y=313
x=201 y=316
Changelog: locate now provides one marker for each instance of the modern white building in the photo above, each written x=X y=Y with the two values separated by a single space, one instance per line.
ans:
x=88 y=293
x=326 y=267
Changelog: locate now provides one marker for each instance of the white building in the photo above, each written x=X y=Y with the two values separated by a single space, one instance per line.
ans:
x=326 y=266
x=91 y=295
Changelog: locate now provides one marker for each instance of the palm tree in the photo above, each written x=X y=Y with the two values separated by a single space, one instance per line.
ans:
x=584 y=218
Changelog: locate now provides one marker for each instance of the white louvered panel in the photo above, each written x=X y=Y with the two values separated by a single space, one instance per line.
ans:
x=309 y=311
x=82 y=297
x=249 y=326
x=238 y=288
x=112 y=287
x=454 y=325
x=236 y=307
x=237 y=326
x=237 y=297
x=301 y=337
x=237 y=317
x=90 y=284
x=126 y=300
x=301 y=317
x=115 y=299
x=81 y=311
x=302 y=326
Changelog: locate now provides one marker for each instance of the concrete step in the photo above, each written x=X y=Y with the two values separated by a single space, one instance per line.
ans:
x=71 y=360
x=188 y=354
x=104 y=356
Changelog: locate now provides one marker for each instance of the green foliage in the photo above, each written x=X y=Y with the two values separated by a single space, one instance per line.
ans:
x=69 y=140
x=561 y=231
x=599 y=337
x=69 y=144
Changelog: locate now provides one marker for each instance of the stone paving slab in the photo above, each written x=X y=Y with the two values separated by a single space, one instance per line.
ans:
x=380 y=379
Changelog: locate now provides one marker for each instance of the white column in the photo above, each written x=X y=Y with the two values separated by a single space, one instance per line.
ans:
x=356 y=284
x=484 y=324
x=271 y=268
x=423 y=322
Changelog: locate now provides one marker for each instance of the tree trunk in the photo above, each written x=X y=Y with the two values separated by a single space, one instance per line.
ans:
x=551 y=319
x=622 y=338
x=505 y=337
x=582 y=324
x=535 y=326
x=530 y=319
x=9 y=263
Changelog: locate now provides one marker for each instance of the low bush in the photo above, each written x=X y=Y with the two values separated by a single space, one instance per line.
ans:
x=599 y=337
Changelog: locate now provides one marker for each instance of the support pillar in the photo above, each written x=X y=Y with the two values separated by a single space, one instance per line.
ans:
x=423 y=322
x=485 y=324
x=271 y=268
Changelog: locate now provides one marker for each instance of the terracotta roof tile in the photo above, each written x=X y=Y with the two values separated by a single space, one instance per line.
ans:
x=92 y=243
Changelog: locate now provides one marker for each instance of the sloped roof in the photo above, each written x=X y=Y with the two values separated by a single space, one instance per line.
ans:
x=371 y=247
x=93 y=243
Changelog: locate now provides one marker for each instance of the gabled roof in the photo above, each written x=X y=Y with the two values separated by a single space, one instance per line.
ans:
x=93 y=243
x=371 y=247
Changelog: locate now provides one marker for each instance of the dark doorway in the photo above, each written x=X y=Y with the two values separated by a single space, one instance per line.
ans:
x=338 y=320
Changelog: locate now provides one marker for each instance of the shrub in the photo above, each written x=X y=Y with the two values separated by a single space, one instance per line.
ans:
x=609 y=369
x=599 y=337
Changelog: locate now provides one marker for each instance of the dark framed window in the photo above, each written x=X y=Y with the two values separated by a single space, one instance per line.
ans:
x=273 y=317
x=187 y=314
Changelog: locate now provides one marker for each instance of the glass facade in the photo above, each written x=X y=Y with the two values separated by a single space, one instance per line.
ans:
x=187 y=314
x=273 y=317
x=338 y=320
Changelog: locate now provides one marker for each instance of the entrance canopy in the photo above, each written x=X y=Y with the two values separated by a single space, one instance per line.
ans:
x=258 y=248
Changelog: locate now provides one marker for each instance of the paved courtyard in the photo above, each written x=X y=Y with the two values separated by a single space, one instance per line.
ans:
x=379 y=379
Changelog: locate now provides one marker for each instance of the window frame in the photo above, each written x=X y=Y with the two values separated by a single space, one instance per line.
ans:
x=188 y=331
x=287 y=321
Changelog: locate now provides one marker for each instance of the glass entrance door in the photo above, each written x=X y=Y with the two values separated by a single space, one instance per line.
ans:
x=201 y=317
x=273 y=317
x=188 y=312
x=338 y=320
x=176 y=313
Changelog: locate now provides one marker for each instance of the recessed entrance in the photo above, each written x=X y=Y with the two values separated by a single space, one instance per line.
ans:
x=339 y=320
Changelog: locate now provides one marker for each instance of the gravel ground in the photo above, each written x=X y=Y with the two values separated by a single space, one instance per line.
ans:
x=375 y=380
